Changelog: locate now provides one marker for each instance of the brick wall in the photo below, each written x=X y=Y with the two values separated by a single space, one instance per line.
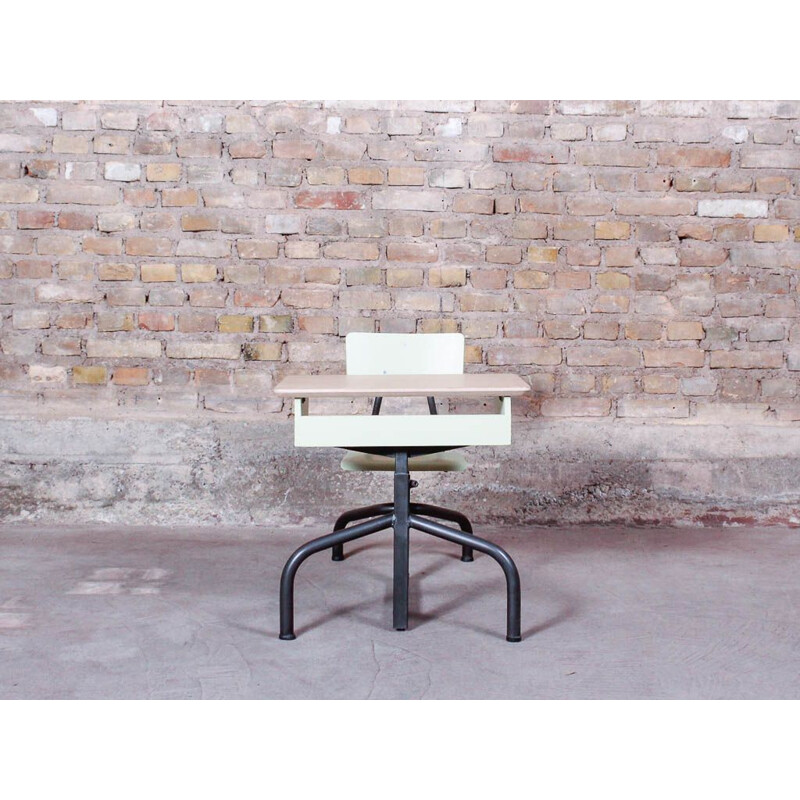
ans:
x=632 y=259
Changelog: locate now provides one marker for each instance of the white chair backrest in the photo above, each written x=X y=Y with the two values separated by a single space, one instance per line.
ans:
x=404 y=353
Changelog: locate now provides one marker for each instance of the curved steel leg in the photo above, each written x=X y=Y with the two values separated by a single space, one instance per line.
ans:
x=314 y=546
x=513 y=633
x=449 y=515
x=351 y=516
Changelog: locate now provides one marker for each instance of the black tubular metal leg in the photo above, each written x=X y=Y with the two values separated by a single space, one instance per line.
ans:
x=514 y=600
x=315 y=546
x=449 y=515
x=351 y=516
x=402 y=501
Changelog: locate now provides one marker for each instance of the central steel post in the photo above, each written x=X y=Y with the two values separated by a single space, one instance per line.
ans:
x=402 y=502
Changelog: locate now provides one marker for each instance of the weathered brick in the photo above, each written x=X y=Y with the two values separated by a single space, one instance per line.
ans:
x=356 y=251
x=656 y=408
x=257 y=248
x=674 y=357
x=154 y=273
x=394 y=150
x=531 y=279
x=450 y=151
x=600 y=329
x=90 y=375
x=595 y=356
x=112 y=144
x=609 y=132
x=658 y=207
x=770 y=232
x=732 y=208
x=305 y=250
x=542 y=255
x=772 y=158
x=152 y=145
x=163 y=173
x=18 y=143
x=203 y=248
x=307 y=298
x=408 y=200
x=35 y=220
x=567 y=131
x=326 y=176
x=198 y=273
x=746 y=359
x=684 y=329
x=576 y=407
x=403 y=126
x=156 y=321
x=605 y=108
x=396 y=251
x=540 y=154
x=611 y=156
x=203 y=350
x=473 y=204
x=369 y=299
x=406 y=176
x=287 y=148
x=65 y=293
x=82 y=194
x=73 y=145
x=344 y=201
x=149 y=246
x=36 y=168
x=608 y=229
x=583 y=255
x=235 y=323
x=447 y=228
x=111 y=271
x=693 y=157
x=487 y=178
x=115 y=348
x=446 y=276
x=446 y=178
x=365 y=175
x=198 y=147
x=131 y=376
x=404 y=278
x=366 y=228
x=537 y=353
x=483 y=301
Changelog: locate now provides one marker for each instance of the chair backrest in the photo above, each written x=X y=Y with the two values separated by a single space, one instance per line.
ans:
x=404 y=353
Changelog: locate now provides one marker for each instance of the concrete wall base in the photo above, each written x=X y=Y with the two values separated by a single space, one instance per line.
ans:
x=245 y=471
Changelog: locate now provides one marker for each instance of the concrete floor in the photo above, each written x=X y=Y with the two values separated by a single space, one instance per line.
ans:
x=119 y=612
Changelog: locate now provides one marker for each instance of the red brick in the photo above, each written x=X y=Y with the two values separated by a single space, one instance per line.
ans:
x=35 y=219
x=156 y=321
x=541 y=154
x=344 y=201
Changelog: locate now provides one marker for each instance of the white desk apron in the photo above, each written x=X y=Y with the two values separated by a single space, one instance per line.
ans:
x=413 y=432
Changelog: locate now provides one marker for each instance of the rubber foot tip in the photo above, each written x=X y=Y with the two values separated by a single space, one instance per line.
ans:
x=287 y=637
x=513 y=638
x=399 y=629
x=467 y=559
x=337 y=558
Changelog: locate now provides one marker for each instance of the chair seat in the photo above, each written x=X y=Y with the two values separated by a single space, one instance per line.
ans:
x=434 y=462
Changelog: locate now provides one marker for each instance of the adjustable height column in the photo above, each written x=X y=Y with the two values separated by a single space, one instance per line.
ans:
x=402 y=500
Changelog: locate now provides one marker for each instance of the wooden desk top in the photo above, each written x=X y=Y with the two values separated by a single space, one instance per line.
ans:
x=471 y=385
